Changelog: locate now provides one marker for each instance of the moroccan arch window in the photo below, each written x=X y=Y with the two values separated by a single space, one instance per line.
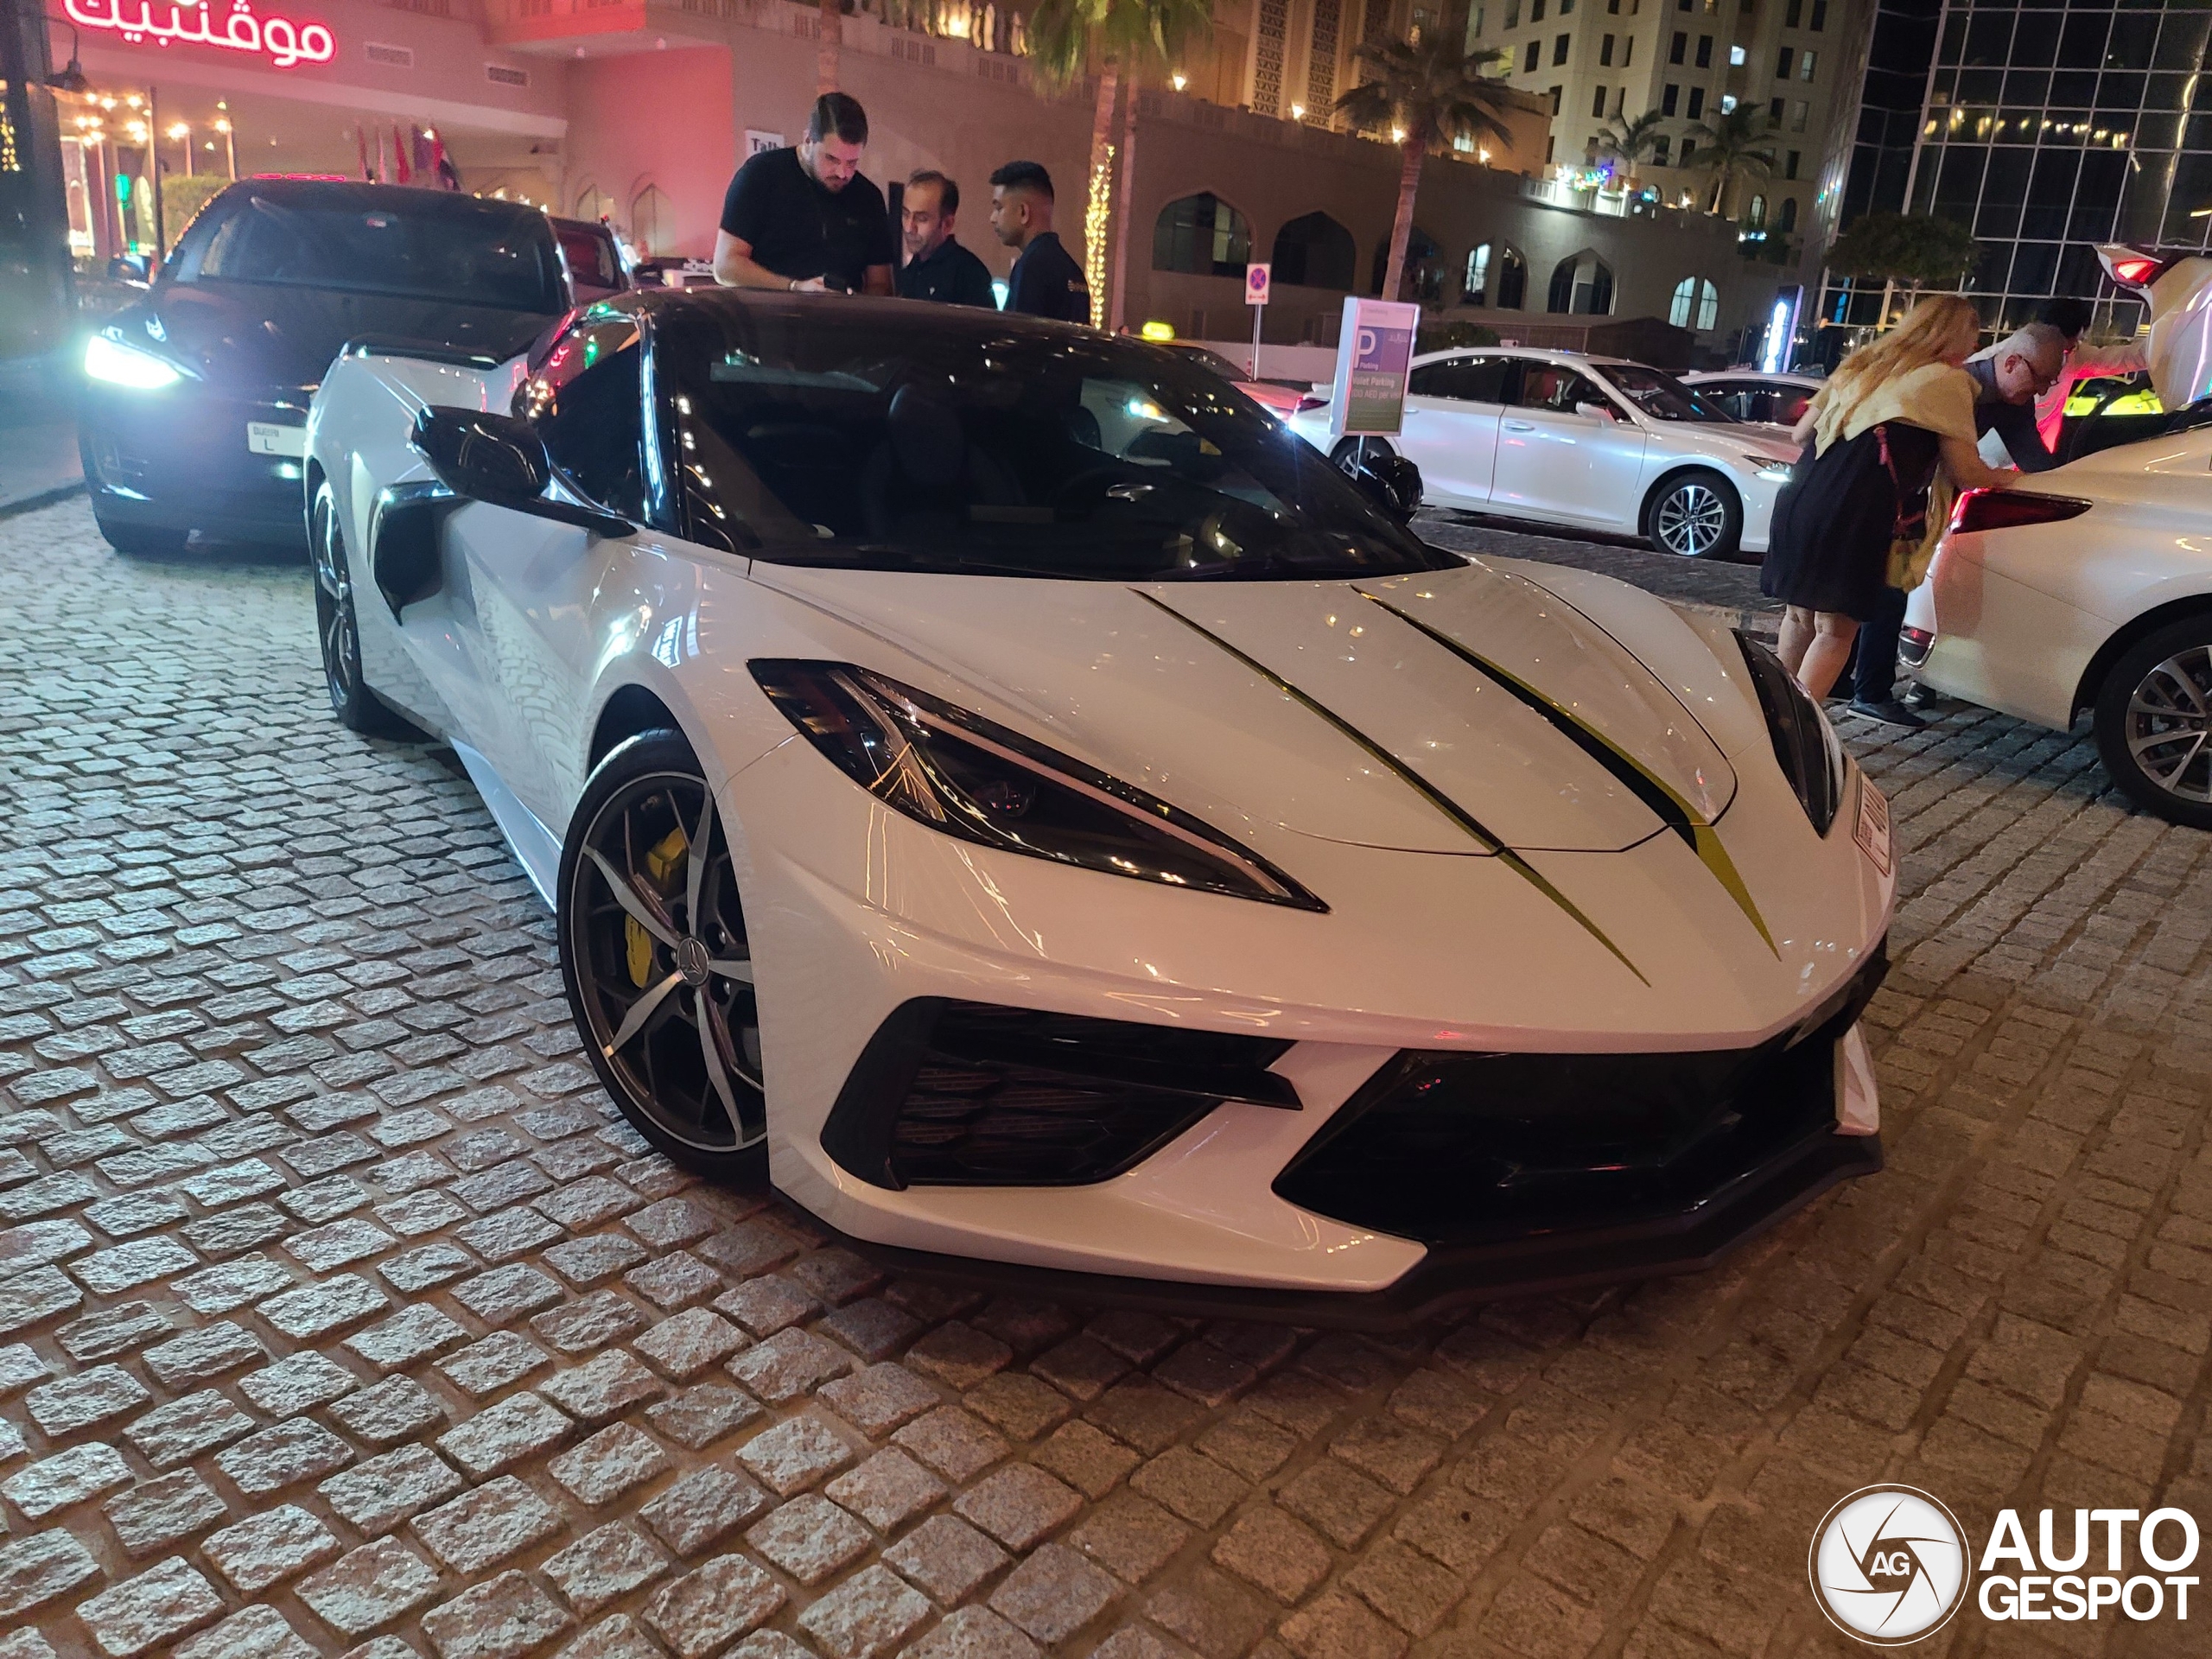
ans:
x=1582 y=283
x=1478 y=279
x=1202 y=235
x=1424 y=277
x=1315 y=251
x=1688 y=299
x=652 y=220
x=1512 y=281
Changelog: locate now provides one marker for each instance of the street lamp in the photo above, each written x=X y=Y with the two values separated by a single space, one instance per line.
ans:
x=181 y=131
x=230 y=139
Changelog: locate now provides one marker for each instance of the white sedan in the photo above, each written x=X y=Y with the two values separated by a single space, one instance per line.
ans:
x=992 y=785
x=1592 y=443
x=2089 y=590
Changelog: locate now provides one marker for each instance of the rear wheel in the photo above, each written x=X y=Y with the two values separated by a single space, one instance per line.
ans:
x=657 y=966
x=2154 y=721
x=1694 y=515
x=339 y=631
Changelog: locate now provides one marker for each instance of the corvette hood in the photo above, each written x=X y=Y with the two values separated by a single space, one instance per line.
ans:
x=1453 y=712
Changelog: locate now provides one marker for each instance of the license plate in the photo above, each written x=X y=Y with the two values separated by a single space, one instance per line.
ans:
x=268 y=438
x=1873 y=834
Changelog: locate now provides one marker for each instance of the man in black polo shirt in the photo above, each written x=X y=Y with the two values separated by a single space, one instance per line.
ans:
x=804 y=218
x=1045 y=282
x=938 y=268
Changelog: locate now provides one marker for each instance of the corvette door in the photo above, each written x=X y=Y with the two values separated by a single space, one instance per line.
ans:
x=534 y=585
x=1451 y=427
x=1566 y=451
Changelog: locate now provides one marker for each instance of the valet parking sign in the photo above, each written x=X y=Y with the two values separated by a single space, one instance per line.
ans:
x=1892 y=1565
x=1374 y=351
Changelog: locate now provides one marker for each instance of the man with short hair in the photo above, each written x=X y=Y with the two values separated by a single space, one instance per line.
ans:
x=803 y=217
x=1047 y=282
x=937 y=267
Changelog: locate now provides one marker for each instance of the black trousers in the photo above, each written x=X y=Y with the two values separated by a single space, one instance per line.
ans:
x=1873 y=670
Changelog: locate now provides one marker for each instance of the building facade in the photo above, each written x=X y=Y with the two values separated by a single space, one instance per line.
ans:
x=2046 y=130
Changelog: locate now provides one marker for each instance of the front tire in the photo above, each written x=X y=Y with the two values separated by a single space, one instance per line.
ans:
x=1694 y=515
x=657 y=963
x=2154 y=721
x=338 y=629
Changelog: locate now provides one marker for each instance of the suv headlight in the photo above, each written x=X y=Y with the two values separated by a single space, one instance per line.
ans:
x=110 y=360
x=1804 y=742
x=958 y=772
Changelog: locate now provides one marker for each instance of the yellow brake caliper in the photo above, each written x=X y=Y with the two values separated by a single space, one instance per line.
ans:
x=661 y=864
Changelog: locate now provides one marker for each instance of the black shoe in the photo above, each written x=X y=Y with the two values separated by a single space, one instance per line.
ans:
x=1892 y=713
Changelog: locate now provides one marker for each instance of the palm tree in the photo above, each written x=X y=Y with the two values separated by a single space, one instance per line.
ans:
x=1727 y=147
x=1630 y=142
x=832 y=27
x=1427 y=92
x=1123 y=38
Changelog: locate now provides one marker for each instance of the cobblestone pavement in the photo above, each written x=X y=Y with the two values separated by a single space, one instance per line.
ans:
x=338 y=1315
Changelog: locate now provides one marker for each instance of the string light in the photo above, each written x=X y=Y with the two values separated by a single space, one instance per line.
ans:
x=1096 y=213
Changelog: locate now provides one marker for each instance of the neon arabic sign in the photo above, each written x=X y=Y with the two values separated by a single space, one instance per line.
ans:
x=282 y=41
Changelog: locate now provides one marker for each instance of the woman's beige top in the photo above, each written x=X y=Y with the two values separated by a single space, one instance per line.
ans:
x=1937 y=398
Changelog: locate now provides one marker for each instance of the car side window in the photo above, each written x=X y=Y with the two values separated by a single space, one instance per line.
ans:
x=1555 y=387
x=584 y=403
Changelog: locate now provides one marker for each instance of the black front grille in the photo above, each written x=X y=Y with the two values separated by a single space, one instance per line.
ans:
x=1457 y=1148
x=967 y=1094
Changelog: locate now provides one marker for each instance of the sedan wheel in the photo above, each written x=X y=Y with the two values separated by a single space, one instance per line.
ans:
x=339 y=629
x=2154 y=721
x=654 y=952
x=1694 y=515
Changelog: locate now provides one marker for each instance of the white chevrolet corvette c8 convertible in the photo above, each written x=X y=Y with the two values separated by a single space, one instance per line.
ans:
x=993 y=778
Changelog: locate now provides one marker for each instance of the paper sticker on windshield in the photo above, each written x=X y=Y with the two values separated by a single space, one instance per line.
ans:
x=267 y=438
x=1873 y=834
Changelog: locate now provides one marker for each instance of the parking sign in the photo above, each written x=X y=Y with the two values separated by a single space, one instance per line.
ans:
x=1256 y=284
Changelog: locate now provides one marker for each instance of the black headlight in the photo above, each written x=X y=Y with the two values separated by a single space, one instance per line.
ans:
x=1811 y=758
x=958 y=773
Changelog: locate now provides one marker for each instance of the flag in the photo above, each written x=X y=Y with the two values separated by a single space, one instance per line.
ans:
x=402 y=174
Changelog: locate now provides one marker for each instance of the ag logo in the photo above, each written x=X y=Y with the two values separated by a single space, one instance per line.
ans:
x=1888 y=1564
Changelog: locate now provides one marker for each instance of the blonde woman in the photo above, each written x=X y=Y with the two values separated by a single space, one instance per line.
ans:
x=1894 y=423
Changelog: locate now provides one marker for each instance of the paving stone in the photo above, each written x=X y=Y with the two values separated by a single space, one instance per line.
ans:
x=39 y=1242
x=879 y=1398
x=1054 y=1593
x=1019 y=1506
x=681 y=1347
x=704 y=1612
x=482 y=1369
x=398 y=1409
x=788 y=1364
x=369 y=1586
x=228 y=1232
x=253 y=1633
x=886 y=1491
x=284 y=1455
x=314 y=1310
x=156 y=1513
x=672 y=1223
x=617 y=1638
x=593 y=1260
x=197 y=1355
x=676 y=1280
x=521 y=1425
x=952 y=1443
x=66 y=1478
x=506 y=1234
x=976 y=1633
x=298 y=1383
x=35 y=1569
x=602 y=1388
x=795 y=1455
x=505 y=1295
x=19 y=1367
x=609 y=1464
x=605 y=1564
x=869 y=1614
x=809 y=1538
x=112 y=1331
x=505 y=1618
x=484 y=1526
x=947 y=1557
x=160 y=1605
x=266 y=1548
x=768 y=1303
x=872 y=1328
x=701 y=1414
x=1271 y=1551
x=69 y=1404
x=232 y=1284
x=377 y=1493
x=589 y=1322
x=29 y=1300
x=409 y=1336
x=959 y=1356
x=181 y=1431
x=702 y=1508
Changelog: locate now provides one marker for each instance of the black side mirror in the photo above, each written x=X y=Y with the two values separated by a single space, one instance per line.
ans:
x=501 y=461
x=1391 y=481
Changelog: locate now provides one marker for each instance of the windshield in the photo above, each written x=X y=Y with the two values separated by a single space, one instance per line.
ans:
x=455 y=250
x=1663 y=398
x=834 y=433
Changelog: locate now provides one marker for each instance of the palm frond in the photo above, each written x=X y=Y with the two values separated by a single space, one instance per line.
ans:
x=1433 y=89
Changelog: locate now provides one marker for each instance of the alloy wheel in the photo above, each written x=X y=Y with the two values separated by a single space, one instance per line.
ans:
x=340 y=634
x=1690 y=519
x=2169 y=721
x=663 y=972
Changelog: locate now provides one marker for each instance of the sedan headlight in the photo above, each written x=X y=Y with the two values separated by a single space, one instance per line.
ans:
x=1776 y=472
x=960 y=773
x=1804 y=742
x=109 y=359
